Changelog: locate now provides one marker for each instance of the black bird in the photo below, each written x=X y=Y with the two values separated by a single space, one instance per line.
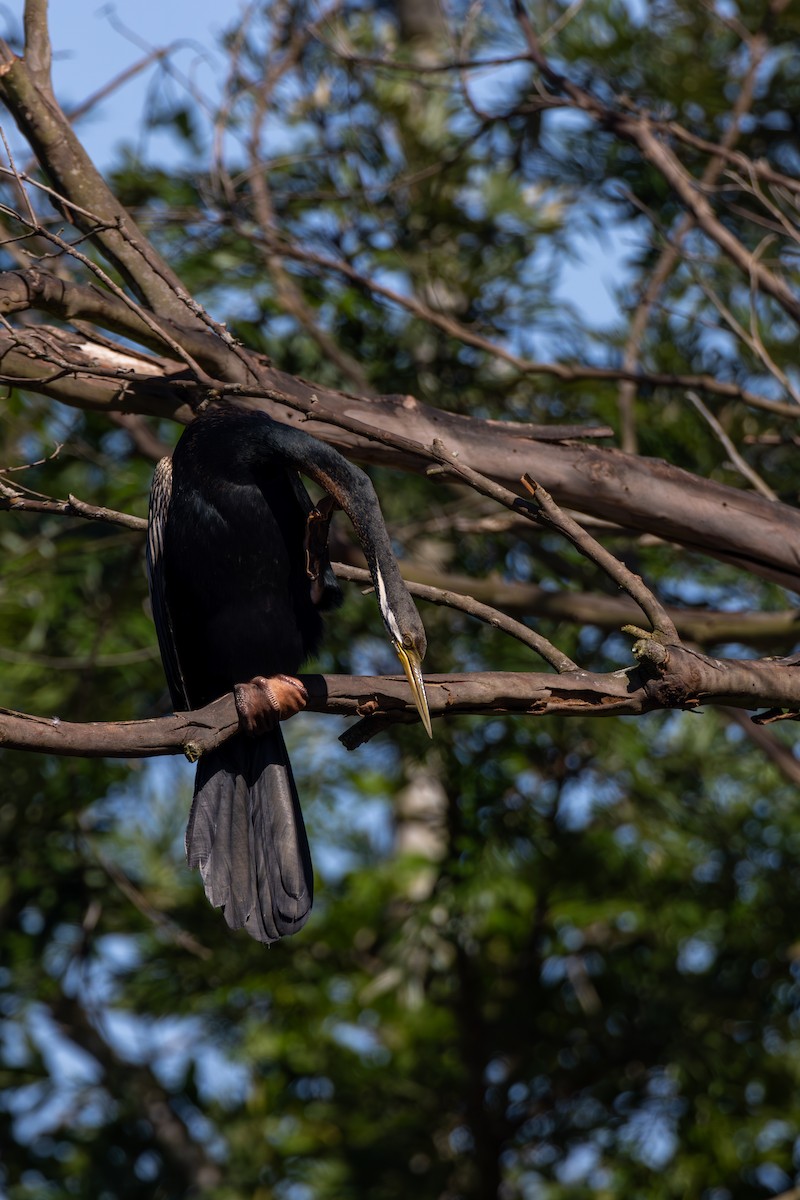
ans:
x=239 y=574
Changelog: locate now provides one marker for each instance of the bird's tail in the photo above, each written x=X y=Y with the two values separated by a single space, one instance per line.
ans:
x=246 y=834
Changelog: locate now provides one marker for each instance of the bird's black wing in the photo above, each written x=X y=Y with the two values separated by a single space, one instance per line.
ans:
x=246 y=831
x=160 y=496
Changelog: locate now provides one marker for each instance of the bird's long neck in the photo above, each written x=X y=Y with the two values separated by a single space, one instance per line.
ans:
x=353 y=492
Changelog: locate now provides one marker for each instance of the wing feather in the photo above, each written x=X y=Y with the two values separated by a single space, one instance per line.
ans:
x=158 y=514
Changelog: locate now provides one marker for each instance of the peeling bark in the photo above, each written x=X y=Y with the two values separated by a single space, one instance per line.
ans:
x=668 y=677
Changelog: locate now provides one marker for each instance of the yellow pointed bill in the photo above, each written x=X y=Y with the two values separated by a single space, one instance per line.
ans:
x=413 y=670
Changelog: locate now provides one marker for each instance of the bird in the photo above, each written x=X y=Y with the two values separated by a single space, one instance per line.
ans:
x=239 y=578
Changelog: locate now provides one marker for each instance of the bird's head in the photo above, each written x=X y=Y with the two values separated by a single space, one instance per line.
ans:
x=407 y=635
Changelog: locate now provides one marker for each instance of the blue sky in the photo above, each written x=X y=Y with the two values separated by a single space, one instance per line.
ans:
x=90 y=47
x=93 y=42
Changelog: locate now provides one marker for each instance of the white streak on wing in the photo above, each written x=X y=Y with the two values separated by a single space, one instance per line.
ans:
x=387 y=614
x=160 y=494
x=160 y=500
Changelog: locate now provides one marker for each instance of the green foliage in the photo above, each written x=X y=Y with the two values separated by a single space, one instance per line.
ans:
x=549 y=959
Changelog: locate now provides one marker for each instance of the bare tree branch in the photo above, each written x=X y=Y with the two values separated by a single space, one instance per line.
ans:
x=663 y=625
x=27 y=92
x=670 y=255
x=566 y=372
x=759 y=168
x=701 y=626
x=45 y=292
x=738 y=462
x=642 y=132
x=467 y=604
x=669 y=677
x=641 y=494
x=37 y=41
x=472 y=596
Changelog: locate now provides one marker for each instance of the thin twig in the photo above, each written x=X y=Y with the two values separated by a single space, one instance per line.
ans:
x=474 y=608
x=660 y=620
x=640 y=130
x=741 y=465
x=566 y=372
x=757 y=167
x=13 y=501
x=670 y=254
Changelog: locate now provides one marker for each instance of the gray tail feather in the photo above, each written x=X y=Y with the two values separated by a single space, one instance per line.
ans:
x=246 y=834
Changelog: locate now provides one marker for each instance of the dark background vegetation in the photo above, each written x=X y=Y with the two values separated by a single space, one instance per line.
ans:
x=550 y=958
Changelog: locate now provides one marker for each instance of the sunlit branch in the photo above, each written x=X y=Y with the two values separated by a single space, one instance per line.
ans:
x=669 y=677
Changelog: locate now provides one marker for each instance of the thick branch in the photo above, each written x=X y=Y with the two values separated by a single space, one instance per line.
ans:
x=191 y=734
x=638 y=493
x=45 y=292
x=89 y=375
x=635 y=492
x=669 y=677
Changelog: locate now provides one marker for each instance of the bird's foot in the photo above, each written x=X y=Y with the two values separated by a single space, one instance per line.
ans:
x=263 y=702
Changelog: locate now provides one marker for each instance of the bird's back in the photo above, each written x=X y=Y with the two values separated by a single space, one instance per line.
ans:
x=235 y=571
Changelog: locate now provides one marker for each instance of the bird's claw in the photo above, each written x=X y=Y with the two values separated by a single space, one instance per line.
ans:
x=263 y=702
